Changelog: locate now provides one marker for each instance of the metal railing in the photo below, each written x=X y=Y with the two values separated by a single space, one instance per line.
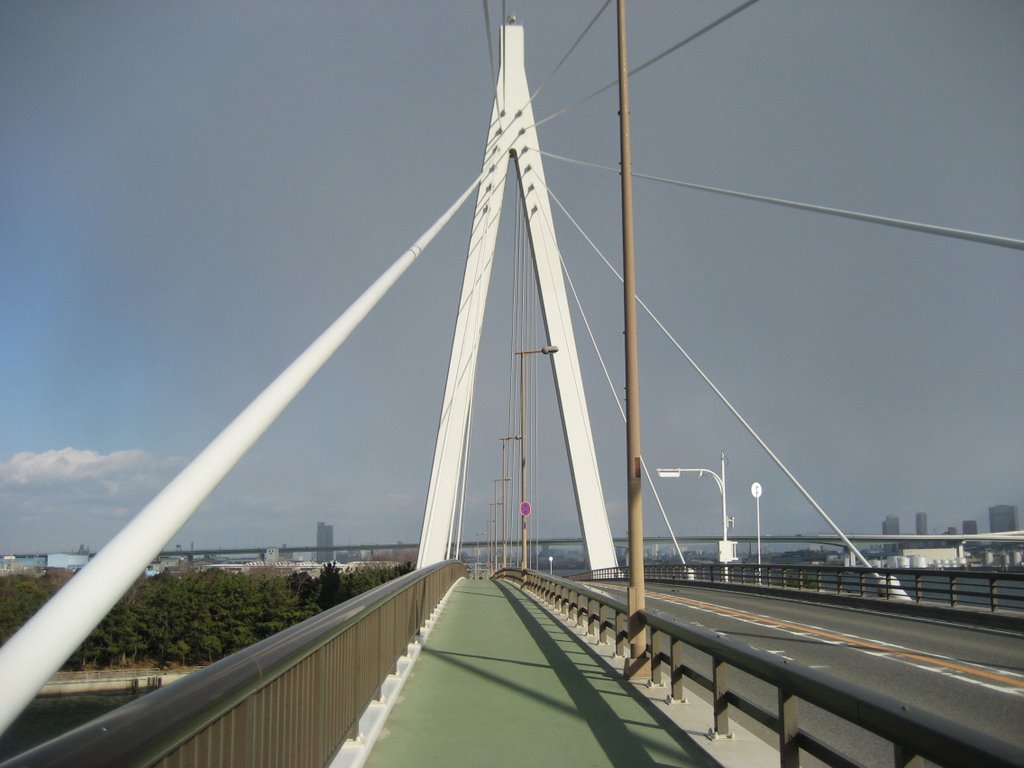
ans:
x=915 y=735
x=994 y=591
x=292 y=699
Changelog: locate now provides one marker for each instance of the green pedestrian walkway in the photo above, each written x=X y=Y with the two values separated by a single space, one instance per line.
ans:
x=501 y=683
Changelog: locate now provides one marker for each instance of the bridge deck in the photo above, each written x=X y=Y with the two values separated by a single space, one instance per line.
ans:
x=500 y=682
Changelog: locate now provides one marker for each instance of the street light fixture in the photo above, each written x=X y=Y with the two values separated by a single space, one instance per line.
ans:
x=726 y=548
x=524 y=505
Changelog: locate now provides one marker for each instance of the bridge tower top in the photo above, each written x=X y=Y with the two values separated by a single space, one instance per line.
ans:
x=512 y=139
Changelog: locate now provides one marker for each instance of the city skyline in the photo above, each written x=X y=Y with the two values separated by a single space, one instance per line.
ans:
x=188 y=196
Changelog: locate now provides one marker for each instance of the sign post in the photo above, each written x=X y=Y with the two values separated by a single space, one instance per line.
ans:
x=755 y=491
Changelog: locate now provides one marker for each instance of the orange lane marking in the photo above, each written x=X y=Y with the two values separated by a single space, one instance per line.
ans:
x=825 y=634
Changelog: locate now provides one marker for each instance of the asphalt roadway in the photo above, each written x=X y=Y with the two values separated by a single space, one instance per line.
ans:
x=970 y=675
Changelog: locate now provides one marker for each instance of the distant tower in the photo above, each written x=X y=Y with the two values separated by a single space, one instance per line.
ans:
x=1003 y=517
x=921 y=523
x=324 y=538
x=970 y=526
x=891 y=527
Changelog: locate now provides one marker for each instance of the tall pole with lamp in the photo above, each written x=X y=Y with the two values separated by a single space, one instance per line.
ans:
x=504 y=499
x=726 y=548
x=524 y=505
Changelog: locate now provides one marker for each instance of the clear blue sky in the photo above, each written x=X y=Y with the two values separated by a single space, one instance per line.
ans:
x=190 y=192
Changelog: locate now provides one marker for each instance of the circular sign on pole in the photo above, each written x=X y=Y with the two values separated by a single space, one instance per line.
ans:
x=525 y=509
x=755 y=490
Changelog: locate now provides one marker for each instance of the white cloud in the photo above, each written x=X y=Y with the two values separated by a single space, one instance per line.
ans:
x=68 y=465
x=61 y=498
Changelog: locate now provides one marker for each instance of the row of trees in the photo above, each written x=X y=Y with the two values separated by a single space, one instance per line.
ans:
x=195 y=617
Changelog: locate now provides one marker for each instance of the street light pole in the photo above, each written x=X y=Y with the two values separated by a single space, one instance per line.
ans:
x=725 y=554
x=504 y=499
x=492 y=545
x=725 y=516
x=546 y=350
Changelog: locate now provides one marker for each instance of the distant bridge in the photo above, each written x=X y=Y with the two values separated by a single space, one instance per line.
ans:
x=829 y=539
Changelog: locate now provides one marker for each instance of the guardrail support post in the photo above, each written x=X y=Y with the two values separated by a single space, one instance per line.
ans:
x=720 y=688
x=676 y=670
x=621 y=635
x=789 y=751
x=657 y=658
x=992 y=595
x=952 y=591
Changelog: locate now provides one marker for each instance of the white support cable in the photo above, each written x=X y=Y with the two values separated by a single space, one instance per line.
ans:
x=915 y=226
x=778 y=462
x=43 y=644
x=462 y=369
x=700 y=32
x=490 y=42
x=572 y=48
x=607 y=375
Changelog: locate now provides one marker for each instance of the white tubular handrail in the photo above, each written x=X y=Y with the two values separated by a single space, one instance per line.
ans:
x=46 y=641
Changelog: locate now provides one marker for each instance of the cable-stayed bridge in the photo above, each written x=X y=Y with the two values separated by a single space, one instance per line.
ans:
x=252 y=725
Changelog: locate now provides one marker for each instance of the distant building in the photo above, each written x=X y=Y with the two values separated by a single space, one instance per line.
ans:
x=921 y=523
x=324 y=538
x=951 y=531
x=891 y=525
x=970 y=526
x=72 y=562
x=1003 y=517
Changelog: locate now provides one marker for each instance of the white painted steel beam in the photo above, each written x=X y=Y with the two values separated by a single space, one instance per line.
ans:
x=512 y=135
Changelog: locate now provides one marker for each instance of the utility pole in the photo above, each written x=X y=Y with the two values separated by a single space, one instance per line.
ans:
x=638 y=665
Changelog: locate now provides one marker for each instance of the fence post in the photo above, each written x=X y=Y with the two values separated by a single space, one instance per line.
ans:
x=676 y=670
x=657 y=658
x=789 y=751
x=993 y=596
x=621 y=635
x=720 y=689
x=952 y=591
x=604 y=629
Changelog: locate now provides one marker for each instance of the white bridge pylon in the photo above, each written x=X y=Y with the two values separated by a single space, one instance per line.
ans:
x=512 y=138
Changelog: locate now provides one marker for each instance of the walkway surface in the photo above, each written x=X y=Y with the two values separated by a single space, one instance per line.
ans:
x=500 y=682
